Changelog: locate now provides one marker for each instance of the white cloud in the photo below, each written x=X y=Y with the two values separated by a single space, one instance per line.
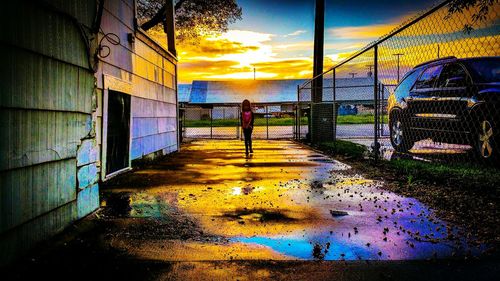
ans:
x=245 y=37
x=295 y=33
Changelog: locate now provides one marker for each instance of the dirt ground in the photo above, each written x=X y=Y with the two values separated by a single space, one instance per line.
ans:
x=471 y=203
x=285 y=212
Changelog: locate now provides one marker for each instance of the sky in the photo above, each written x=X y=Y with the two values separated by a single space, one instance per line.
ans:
x=276 y=38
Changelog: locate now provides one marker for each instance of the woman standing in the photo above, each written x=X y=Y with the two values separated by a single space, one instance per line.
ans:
x=247 y=124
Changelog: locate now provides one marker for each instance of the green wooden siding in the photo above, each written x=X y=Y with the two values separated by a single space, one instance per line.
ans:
x=46 y=102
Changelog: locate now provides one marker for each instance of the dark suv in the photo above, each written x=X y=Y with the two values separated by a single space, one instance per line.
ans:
x=449 y=100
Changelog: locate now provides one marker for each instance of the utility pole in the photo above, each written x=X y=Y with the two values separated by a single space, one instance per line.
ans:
x=398 y=55
x=319 y=30
x=353 y=74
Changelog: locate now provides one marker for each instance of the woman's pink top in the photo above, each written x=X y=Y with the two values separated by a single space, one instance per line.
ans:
x=247 y=119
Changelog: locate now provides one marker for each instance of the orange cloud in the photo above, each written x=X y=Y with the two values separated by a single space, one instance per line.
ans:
x=235 y=54
x=361 y=32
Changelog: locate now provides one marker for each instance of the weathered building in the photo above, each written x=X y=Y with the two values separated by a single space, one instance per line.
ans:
x=83 y=93
x=136 y=81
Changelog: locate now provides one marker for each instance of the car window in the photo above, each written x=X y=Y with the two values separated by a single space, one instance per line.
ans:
x=485 y=70
x=405 y=85
x=453 y=75
x=429 y=77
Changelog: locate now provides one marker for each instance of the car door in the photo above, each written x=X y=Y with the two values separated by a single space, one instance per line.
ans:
x=451 y=93
x=421 y=101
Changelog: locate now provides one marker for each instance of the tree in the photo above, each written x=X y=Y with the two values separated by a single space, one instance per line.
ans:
x=482 y=6
x=193 y=18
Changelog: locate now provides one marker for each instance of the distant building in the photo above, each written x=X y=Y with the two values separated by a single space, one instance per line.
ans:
x=83 y=93
x=235 y=91
x=279 y=95
x=353 y=91
x=184 y=90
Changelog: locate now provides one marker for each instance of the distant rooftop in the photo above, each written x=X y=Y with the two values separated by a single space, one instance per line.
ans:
x=272 y=91
x=235 y=91
x=184 y=91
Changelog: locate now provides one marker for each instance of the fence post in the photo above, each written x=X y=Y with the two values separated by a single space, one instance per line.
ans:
x=267 y=123
x=296 y=133
x=381 y=105
x=333 y=87
x=335 y=110
x=238 y=125
x=184 y=129
x=298 y=112
x=376 y=145
x=211 y=122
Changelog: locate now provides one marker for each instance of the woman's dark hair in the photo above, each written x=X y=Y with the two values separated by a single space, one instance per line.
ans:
x=246 y=106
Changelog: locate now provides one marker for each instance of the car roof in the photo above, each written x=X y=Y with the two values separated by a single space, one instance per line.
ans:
x=436 y=61
x=451 y=59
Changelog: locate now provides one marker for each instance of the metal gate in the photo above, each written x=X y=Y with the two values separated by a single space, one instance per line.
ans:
x=272 y=121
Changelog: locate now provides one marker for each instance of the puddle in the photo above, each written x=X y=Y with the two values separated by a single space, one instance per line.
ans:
x=117 y=204
x=260 y=215
x=284 y=204
x=315 y=156
x=137 y=205
x=322 y=160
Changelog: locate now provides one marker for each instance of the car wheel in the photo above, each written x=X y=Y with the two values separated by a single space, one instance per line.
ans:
x=486 y=140
x=400 y=136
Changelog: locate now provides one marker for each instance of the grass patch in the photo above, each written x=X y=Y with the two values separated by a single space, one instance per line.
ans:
x=345 y=148
x=463 y=173
x=287 y=121
x=206 y=123
x=359 y=119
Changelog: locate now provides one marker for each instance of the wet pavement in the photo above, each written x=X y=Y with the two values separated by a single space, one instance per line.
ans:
x=285 y=213
x=284 y=202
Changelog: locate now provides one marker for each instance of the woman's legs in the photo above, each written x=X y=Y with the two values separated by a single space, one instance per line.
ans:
x=245 y=135
x=248 y=140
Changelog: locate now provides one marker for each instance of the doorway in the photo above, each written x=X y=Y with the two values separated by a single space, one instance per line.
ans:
x=118 y=132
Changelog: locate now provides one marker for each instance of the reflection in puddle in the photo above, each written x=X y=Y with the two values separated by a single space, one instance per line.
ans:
x=284 y=204
x=137 y=205
x=260 y=215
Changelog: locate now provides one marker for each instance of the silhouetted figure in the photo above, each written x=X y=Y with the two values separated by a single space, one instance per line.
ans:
x=247 y=119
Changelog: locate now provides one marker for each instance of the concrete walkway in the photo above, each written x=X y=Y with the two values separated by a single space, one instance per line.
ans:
x=209 y=212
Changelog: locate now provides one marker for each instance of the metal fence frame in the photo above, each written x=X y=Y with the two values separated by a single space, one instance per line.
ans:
x=377 y=86
x=268 y=134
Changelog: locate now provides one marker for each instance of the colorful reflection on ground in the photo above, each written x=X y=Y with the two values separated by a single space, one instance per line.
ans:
x=284 y=202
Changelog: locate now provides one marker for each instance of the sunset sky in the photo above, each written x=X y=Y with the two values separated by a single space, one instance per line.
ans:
x=276 y=37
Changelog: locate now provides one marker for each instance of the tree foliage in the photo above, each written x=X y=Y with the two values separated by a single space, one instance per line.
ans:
x=193 y=18
x=482 y=8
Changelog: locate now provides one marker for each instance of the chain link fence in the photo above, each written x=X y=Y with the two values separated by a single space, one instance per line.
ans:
x=430 y=88
x=272 y=121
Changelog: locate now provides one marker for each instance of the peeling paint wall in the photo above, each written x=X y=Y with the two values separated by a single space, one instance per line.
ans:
x=53 y=110
x=49 y=158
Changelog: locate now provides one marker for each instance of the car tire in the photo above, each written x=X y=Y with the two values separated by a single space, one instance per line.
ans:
x=399 y=134
x=485 y=140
